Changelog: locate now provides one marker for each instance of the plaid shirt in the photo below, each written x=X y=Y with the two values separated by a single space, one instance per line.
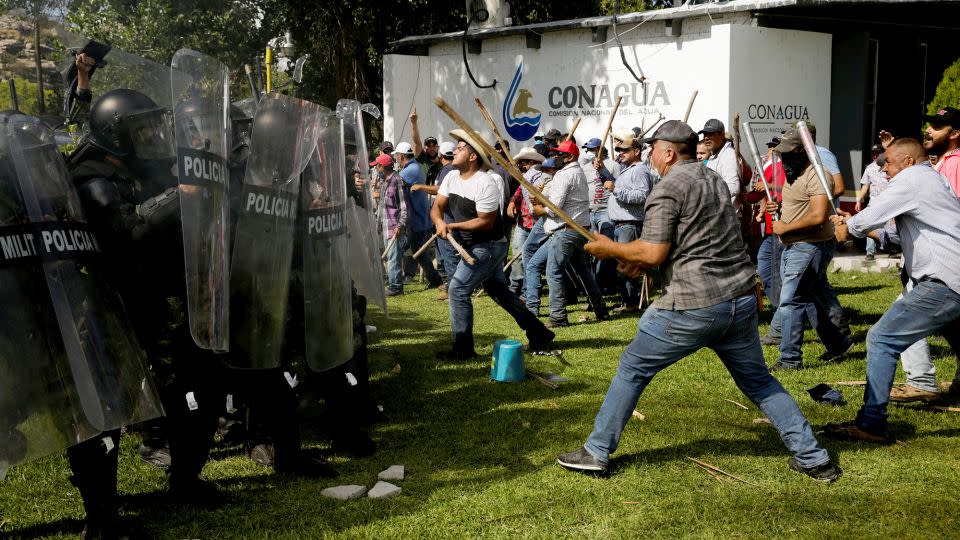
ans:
x=394 y=205
x=690 y=209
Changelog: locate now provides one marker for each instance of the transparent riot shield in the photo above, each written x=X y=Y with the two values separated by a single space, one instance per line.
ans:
x=327 y=297
x=70 y=366
x=364 y=239
x=201 y=101
x=284 y=135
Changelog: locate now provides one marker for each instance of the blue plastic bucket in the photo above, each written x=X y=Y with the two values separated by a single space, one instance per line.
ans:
x=507 y=365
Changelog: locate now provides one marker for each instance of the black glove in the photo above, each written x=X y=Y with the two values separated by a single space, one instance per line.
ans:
x=160 y=210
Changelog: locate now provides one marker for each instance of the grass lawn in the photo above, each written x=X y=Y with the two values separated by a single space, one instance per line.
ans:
x=480 y=455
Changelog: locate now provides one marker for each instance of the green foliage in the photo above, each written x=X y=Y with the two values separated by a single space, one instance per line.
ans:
x=27 y=97
x=948 y=91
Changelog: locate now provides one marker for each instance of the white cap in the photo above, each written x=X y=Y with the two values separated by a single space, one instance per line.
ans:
x=446 y=148
x=403 y=148
x=538 y=135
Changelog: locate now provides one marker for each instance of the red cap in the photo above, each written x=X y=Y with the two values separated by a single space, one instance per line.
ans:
x=383 y=159
x=568 y=147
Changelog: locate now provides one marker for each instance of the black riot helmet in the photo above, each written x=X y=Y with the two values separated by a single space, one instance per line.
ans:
x=129 y=125
x=187 y=125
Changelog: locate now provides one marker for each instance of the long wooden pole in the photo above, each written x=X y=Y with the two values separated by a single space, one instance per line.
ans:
x=686 y=115
x=512 y=260
x=511 y=169
x=386 y=252
x=574 y=129
x=496 y=132
x=606 y=132
x=653 y=125
x=463 y=253
x=425 y=246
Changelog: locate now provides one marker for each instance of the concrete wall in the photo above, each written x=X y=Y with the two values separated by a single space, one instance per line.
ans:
x=570 y=77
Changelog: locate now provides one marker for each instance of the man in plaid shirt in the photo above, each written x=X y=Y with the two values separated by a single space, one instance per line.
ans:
x=691 y=231
x=394 y=219
x=528 y=159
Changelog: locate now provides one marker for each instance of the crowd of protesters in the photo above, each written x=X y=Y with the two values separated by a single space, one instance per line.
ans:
x=649 y=233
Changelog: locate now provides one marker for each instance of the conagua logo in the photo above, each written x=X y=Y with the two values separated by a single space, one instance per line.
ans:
x=520 y=119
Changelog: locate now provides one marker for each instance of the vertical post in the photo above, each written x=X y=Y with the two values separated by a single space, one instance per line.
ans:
x=269 y=61
x=13 y=94
x=41 y=107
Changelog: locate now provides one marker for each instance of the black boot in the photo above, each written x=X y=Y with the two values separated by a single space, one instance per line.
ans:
x=94 y=465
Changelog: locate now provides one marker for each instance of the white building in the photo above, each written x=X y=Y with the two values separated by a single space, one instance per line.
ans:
x=851 y=67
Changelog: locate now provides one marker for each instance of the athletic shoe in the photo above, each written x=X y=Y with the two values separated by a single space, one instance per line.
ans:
x=394 y=293
x=828 y=472
x=582 y=461
x=555 y=324
x=780 y=366
x=542 y=343
x=906 y=393
x=869 y=257
x=852 y=432
x=155 y=457
x=262 y=454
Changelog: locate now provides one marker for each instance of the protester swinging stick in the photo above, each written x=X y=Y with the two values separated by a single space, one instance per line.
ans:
x=606 y=133
x=814 y=157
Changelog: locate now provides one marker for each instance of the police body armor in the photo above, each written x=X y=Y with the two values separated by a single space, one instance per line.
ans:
x=284 y=135
x=70 y=366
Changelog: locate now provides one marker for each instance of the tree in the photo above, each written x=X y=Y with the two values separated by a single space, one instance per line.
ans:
x=948 y=91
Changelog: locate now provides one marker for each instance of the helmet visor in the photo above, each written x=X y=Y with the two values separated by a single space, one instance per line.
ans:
x=151 y=135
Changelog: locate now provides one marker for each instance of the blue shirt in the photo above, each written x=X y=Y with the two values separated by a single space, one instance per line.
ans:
x=829 y=160
x=419 y=203
x=629 y=194
x=927 y=213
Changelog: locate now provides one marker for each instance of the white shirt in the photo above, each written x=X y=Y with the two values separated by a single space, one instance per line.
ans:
x=570 y=192
x=725 y=164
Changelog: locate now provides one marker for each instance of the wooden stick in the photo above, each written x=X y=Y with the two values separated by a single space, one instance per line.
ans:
x=653 y=125
x=741 y=405
x=517 y=175
x=849 y=383
x=686 y=115
x=945 y=409
x=719 y=470
x=425 y=246
x=386 y=252
x=496 y=132
x=574 y=129
x=512 y=260
x=463 y=253
x=543 y=381
x=606 y=132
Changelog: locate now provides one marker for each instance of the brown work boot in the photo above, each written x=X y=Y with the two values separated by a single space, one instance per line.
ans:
x=905 y=393
x=852 y=432
x=443 y=293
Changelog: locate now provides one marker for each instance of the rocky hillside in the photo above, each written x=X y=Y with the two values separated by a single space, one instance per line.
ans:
x=17 y=52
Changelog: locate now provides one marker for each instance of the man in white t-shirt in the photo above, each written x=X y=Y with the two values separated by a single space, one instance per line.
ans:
x=473 y=199
x=723 y=159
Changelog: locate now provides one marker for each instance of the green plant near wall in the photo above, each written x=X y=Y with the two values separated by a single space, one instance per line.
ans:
x=948 y=91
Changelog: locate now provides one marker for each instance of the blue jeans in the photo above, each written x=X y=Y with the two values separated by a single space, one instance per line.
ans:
x=534 y=265
x=488 y=273
x=928 y=308
x=803 y=267
x=394 y=263
x=605 y=270
x=516 y=246
x=768 y=266
x=449 y=257
x=415 y=240
x=566 y=247
x=871 y=246
x=665 y=337
x=625 y=233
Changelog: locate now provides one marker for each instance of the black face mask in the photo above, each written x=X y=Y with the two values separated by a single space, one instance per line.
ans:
x=794 y=163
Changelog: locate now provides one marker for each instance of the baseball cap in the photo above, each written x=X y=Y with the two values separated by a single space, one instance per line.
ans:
x=629 y=142
x=550 y=163
x=386 y=146
x=675 y=131
x=947 y=116
x=568 y=147
x=446 y=149
x=592 y=143
x=498 y=147
x=773 y=142
x=876 y=149
x=403 y=148
x=789 y=141
x=383 y=159
x=623 y=135
x=429 y=140
x=553 y=135
x=538 y=136
x=712 y=126
x=636 y=130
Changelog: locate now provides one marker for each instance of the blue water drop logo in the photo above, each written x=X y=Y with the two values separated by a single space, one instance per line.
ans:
x=520 y=119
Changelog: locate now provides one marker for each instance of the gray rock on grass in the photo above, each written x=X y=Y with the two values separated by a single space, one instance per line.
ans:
x=384 y=490
x=394 y=472
x=344 y=493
